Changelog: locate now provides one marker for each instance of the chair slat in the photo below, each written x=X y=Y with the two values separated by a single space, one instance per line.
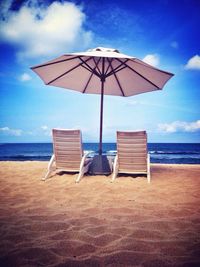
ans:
x=132 y=141
x=132 y=146
x=132 y=166
x=123 y=160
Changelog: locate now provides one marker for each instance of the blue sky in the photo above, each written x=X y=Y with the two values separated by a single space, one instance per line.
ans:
x=162 y=33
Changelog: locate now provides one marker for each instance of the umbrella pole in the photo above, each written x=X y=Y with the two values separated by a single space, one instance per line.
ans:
x=101 y=116
x=100 y=164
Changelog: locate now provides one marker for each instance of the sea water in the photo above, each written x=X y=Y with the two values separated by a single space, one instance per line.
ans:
x=159 y=152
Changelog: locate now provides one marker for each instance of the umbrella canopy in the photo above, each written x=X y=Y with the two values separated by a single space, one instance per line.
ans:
x=102 y=71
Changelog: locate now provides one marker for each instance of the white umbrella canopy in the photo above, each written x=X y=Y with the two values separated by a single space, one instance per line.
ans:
x=124 y=75
x=103 y=71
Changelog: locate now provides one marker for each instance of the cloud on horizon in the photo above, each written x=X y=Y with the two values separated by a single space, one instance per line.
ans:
x=40 y=131
x=179 y=126
x=39 y=30
x=8 y=131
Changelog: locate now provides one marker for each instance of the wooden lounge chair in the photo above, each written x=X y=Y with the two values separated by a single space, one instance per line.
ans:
x=132 y=156
x=68 y=153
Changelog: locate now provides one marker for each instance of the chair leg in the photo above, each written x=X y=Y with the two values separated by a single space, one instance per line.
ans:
x=115 y=169
x=50 y=169
x=83 y=168
x=80 y=175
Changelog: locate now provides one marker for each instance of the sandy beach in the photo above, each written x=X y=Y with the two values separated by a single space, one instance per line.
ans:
x=98 y=223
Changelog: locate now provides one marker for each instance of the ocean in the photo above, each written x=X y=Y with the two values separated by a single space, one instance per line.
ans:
x=174 y=153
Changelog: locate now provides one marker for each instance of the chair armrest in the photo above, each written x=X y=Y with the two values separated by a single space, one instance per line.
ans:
x=51 y=161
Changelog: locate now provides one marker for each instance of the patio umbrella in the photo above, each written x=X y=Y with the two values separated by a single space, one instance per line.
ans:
x=103 y=71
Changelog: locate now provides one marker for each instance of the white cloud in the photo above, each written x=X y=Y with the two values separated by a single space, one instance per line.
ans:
x=179 y=126
x=44 y=127
x=193 y=63
x=25 y=77
x=45 y=31
x=45 y=130
x=8 y=131
x=160 y=105
x=135 y=103
x=152 y=60
x=174 y=44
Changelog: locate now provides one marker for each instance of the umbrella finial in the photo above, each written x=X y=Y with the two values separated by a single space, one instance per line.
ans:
x=104 y=49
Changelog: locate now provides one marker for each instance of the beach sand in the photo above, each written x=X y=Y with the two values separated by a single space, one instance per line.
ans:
x=98 y=223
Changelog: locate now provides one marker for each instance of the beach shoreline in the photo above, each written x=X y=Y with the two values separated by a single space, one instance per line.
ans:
x=98 y=223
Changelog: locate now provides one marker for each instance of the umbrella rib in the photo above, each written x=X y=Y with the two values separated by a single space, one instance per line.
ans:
x=118 y=82
x=89 y=68
x=92 y=73
x=88 y=82
x=115 y=71
x=85 y=67
x=140 y=74
x=151 y=67
x=96 y=64
x=93 y=70
x=63 y=74
x=109 y=65
x=118 y=68
x=52 y=63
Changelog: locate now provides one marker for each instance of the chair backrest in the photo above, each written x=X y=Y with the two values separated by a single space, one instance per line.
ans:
x=132 y=151
x=67 y=146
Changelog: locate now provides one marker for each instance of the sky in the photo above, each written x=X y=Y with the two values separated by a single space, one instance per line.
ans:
x=163 y=33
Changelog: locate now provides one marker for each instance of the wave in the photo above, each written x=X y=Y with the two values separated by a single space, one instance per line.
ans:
x=24 y=158
x=159 y=152
x=175 y=152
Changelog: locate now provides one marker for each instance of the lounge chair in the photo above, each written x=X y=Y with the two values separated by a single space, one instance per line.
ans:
x=68 y=153
x=132 y=156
